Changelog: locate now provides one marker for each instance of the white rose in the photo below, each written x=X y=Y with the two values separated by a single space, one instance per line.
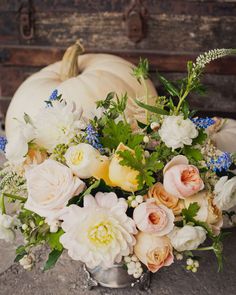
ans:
x=187 y=238
x=7 y=224
x=176 y=131
x=83 y=159
x=225 y=193
x=57 y=124
x=50 y=186
x=17 y=146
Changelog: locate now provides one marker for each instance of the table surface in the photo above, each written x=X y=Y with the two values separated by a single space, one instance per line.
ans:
x=68 y=277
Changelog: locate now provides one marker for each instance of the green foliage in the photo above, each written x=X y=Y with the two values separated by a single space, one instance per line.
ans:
x=169 y=87
x=201 y=138
x=20 y=253
x=53 y=240
x=54 y=255
x=192 y=153
x=114 y=106
x=146 y=167
x=115 y=133
x=59 y=153
x=141 y=71
x=190 y=212
x=164 y=153
x=152 y=109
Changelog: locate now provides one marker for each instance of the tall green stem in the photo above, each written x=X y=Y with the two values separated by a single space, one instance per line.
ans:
x=3 y=205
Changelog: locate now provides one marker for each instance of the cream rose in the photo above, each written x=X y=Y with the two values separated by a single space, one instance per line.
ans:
x=225 y=193
x=176 y=131
x=50 y=186
x=208 y=211
x=180 y=179
x=153 y=218
x=161 y=197
x=153 y=251
x=83 y=159
x=187 y=238
x=122 y=176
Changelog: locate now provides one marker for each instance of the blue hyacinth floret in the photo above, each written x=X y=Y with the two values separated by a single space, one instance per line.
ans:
x=203 y=122
x=3 y=142
x=222 y=163
x=54 y=95
x=92 y=138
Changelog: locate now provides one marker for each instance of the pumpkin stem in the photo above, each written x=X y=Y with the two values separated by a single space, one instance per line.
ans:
x=69 y=65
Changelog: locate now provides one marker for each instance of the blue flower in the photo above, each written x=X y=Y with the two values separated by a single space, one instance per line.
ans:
x=3 y=142
x=54 y=95
x=203 y=122
x=222 y=163
x=93 y=138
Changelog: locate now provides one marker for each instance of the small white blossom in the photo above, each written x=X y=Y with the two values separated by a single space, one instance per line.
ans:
x=27 y=261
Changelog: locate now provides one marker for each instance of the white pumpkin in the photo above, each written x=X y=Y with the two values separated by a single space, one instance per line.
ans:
x=223 y=134
x=83 y=79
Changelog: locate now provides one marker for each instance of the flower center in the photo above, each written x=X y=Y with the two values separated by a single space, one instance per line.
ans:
x=101 y=234
x=154 y=218
x=77 y=157
x=189 y=176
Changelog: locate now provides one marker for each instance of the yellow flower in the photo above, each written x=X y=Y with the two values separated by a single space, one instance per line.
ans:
x=122 y=176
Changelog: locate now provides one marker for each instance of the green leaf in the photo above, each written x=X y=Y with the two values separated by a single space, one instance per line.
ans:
x=141 y=71
x=193 y=153
x=185 y=109
x=202 y=136
x=20 y=253
x=114 y=134
x=106 y=102
x=52 y=259
x=190 y=212
x=150 y=108
x=172 y=90
x=53 y=240
x=134 y=140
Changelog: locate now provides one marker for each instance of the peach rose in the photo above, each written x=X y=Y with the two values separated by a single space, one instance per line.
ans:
x=208 y=211
x=181 y=179
x=161 y=197
x=152 y=218
x=153 y=251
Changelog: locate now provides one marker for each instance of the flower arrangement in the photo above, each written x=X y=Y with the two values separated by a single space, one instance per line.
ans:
x=114 y=189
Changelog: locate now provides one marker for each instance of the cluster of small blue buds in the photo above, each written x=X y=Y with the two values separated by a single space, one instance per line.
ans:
x=203 y=122
x=93 y=138
x=54 y=95
x=222 y=163
x=3 y=142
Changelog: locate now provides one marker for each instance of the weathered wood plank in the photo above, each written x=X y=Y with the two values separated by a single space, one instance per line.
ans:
x=190 y=7
x=163 y=61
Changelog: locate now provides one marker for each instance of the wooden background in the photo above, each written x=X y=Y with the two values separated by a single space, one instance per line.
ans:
x=175 y=31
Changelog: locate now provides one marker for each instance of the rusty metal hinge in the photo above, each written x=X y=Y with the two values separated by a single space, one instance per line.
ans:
x=136 y=15
x=26 y=19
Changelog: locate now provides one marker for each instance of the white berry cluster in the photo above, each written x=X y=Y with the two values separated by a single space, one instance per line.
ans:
x=192 y=265
x=134 y=201
x=134 y=266
x=27 y=261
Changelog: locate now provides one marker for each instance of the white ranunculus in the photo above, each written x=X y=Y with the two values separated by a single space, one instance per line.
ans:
x=176 y=131
x=17 y=146
x=225 y=193
x=57 y=124
x=50 y=186
x=100 y=233
x=83 y=159
x=7 y=224
x=187 y=238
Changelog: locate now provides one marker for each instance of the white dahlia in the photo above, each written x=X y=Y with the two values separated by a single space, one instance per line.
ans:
x=100 y=233
x=57 y=124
